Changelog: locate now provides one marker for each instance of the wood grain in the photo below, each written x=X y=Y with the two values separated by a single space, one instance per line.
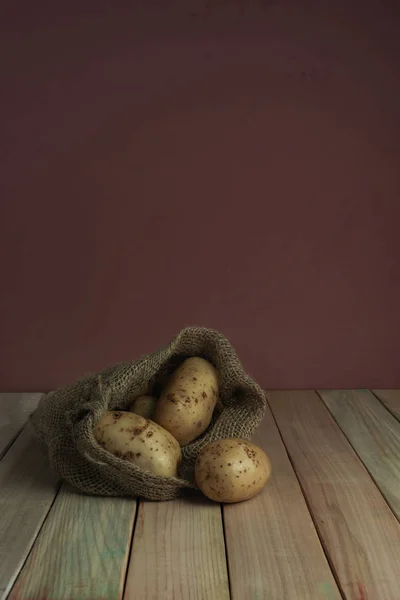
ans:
x=178 y=552
x=27 y=490
x=358 y=529
x=81 y=552
x=14 y=412
x=391 y=399
x=374 y=434
x=266 y=537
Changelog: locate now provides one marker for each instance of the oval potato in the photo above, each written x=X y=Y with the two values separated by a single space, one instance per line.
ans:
x=139 y=440
x=231 y=470
x=186 y=405
x=144 y=406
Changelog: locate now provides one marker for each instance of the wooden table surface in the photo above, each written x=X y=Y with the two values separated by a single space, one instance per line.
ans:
x=325 y=527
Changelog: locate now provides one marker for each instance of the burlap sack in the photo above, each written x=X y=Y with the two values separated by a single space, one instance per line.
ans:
x=65 y=418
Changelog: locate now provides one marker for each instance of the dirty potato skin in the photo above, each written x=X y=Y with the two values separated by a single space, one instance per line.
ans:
x=132 y=437
x=231 y=470
x=144 y=406
x=186 y=405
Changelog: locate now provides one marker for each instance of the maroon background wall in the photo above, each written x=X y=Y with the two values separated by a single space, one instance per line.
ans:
x=231 y=164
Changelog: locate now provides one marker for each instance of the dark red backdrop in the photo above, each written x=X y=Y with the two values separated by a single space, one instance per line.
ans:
x=230 y=164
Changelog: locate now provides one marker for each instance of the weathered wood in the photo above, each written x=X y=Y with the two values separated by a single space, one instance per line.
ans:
x=272 y=545
x=14 y=412
x=81 y=552
x=27 y=490
x=374 y=434
x=358 y=529
x=391 y=399
x=178 y=552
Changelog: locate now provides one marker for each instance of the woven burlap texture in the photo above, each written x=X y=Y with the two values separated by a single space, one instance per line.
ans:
x=65 y=418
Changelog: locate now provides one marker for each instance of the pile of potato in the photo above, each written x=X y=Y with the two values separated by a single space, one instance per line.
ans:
x=152 y=432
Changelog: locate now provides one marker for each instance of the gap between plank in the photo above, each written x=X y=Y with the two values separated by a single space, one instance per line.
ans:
x=128 y=560
x=226 y=550
x=18 y=433
x=358 y=456
x=396 y=416
x=12 y=441
x=324 y=549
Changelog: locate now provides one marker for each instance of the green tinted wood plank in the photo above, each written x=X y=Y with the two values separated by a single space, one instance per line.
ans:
x=374 y=434
x=358 y=529
x=391 y=399
x=81 y=552
x=14 y=412
x=273 y=548
x=178 y=552
x=27 y=490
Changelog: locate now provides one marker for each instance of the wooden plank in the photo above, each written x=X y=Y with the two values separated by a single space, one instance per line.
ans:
x=14 y=412
x=178 y=552
x=273 y=548
x=27 y=490
x=358 y=529
x=81 y=552
x=391 y=399
x=374 y=434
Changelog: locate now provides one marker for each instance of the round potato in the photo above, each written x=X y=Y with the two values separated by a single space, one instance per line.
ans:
x=139 y=440
x=186 y=405
x=231 y=470
x=144 y=406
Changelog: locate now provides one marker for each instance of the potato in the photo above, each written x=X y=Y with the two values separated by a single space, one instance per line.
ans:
x=139 y=440
x=186 y=405
x=143 y=406
x=231 y=470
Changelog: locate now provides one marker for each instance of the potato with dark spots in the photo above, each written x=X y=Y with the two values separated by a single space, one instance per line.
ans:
x=144 y=406
x=132 y=437
x=188 y=400
x=231 y=470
